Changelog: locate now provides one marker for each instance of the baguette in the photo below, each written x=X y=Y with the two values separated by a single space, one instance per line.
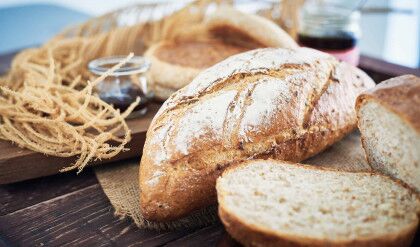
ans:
x=274 y=203
x=389 y=121
x=278 y=103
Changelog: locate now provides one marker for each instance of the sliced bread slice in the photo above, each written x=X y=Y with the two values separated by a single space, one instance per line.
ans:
x=274 y=203
x=389 y=121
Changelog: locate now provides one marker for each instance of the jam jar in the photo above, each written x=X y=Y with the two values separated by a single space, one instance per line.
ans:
x=331 y=28
x=122 y=87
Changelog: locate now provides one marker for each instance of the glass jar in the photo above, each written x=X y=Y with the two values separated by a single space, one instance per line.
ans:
x=332 y=28
x=122 y=87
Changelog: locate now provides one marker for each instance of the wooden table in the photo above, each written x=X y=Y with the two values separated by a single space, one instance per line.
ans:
x=72 y=210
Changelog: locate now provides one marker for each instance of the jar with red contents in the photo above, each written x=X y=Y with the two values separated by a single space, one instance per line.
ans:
x=330 y=28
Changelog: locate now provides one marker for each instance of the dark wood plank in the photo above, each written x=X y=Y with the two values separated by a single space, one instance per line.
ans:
x=3 y=243
x=14 y=197
x=227 y=241
x=380 y=70
x=81 y=218
x=18 y=164
x=205 y=237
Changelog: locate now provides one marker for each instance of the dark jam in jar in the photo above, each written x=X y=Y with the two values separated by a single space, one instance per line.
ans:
x=331 y=28
x=125 y=98
x=123 y=86
x=342 y=41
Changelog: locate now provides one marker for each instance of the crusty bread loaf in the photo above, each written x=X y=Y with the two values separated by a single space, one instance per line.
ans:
x=226 y=32
x=274 y=203
x=279 y=103
x=389 y=121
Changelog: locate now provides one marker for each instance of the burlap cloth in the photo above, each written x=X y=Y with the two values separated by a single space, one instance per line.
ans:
x=120 y=184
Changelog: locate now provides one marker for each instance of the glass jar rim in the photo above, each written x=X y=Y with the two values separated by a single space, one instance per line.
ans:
x=329 y=14
x=101 y=65
x=328 y=20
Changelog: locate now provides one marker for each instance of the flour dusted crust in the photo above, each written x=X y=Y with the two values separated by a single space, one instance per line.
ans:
x=227 y=32
x=278 y=103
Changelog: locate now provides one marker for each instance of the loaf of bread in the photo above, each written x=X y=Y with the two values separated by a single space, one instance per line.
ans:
x=226 y=32
x=389 y=121
x=278 y=103
x=274 y=203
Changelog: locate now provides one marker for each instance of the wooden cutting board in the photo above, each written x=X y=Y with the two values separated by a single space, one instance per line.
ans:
x=18 y=164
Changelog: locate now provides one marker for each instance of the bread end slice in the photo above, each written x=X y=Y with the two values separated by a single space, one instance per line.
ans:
x=274 y=203
x=389 y=122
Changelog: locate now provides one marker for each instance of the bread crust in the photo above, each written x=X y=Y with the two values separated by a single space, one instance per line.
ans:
x=250 y=235
x=253 y=235
x=203 y=193
x=400 y=95
x=183 y=154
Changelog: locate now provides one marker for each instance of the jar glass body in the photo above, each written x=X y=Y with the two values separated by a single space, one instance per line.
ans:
x=331 y=28
x=122 y=87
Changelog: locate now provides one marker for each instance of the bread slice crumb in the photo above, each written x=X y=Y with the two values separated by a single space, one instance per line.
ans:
x=274 y=203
